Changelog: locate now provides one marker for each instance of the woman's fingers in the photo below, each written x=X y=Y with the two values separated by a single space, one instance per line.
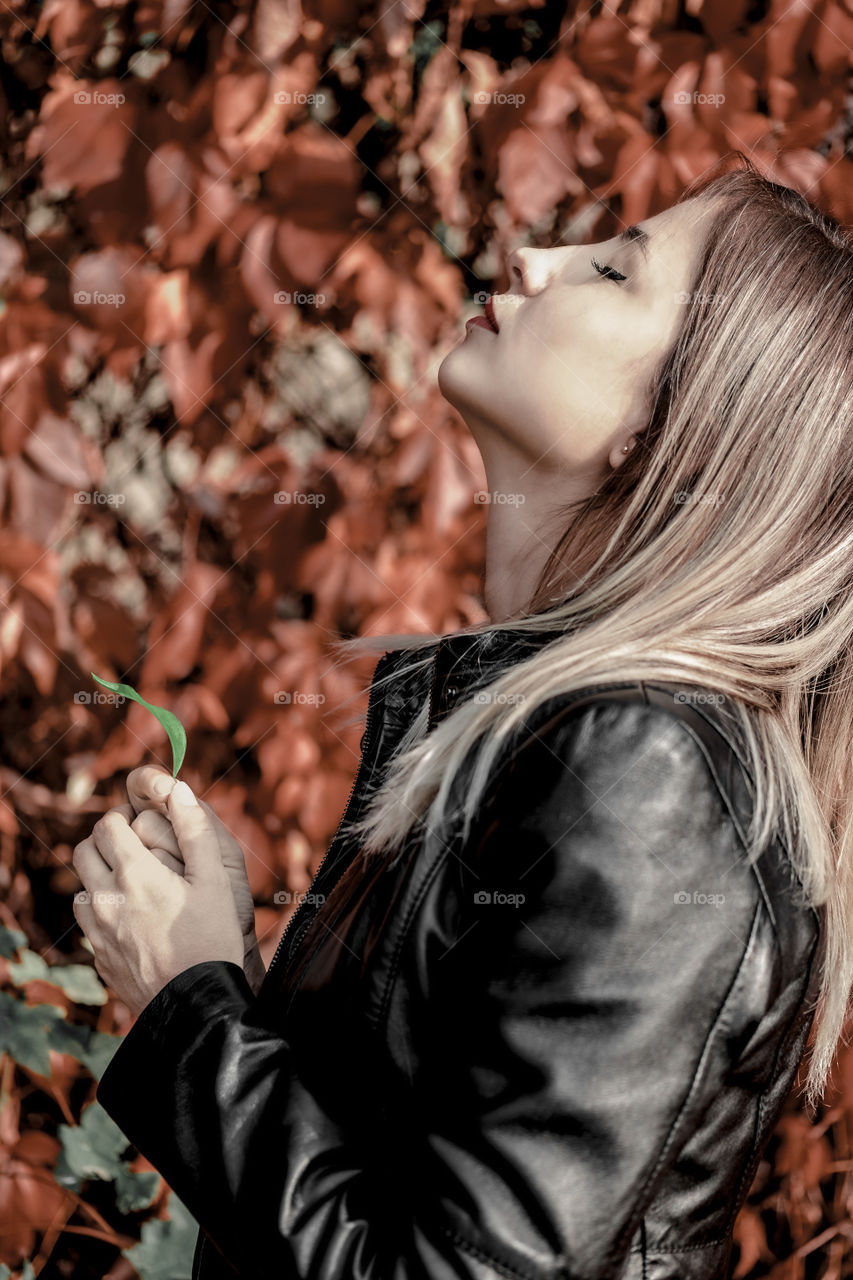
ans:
x=158 y=835
x=153 y=829
x=141 y=791
x=89 y=863
x=169 y=860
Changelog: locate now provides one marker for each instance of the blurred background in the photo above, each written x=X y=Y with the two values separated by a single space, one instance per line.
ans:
x=236 y=241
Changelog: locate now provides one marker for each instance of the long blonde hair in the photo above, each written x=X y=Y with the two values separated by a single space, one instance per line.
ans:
x=723 y=558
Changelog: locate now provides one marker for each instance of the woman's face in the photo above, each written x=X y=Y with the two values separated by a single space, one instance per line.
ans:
x=564 y=381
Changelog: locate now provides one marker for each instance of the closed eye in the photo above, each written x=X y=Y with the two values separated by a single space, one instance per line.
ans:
x=610 y=273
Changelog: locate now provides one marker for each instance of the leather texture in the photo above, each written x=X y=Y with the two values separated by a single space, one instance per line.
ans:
x=554 y=1049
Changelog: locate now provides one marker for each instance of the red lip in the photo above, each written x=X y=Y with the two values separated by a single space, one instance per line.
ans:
x=489 y=311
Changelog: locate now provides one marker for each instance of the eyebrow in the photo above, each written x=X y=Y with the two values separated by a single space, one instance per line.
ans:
x=638 y=234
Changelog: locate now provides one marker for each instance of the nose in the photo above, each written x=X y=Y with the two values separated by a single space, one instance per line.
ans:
x=517 y=269
x=531 y=269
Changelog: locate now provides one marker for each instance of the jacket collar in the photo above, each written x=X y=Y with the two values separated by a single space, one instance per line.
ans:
x=455 y=665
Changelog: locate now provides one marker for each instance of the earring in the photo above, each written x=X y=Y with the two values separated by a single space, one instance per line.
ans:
x=624 y=448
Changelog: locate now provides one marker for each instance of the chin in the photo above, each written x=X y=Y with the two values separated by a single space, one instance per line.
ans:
x=474 y=401
x=453 y=381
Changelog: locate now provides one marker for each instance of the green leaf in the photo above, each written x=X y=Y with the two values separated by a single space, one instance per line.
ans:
x=29 y=1032
x=28 y=968
x=90 y=1149
x=135 y=1191
x=11 y=940
x=79 y=981
x=166 y=1247
x=27 y=1272
x=93 y=1150
x=93 y=1048
x=169 y=721
x=25 y=1031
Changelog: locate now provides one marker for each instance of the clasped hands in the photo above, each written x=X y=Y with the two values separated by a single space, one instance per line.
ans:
x=165 y=888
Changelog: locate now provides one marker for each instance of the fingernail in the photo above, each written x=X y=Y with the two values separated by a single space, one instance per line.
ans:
x=161 y=786
x=182 y=794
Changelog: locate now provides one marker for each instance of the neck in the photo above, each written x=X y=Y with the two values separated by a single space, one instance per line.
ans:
x=526 y=517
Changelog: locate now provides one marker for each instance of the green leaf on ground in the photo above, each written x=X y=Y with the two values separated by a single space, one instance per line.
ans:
x=165 y=1250
x=90 y=1149
x=11 y=940
x=79 y=981
x=26 y=1031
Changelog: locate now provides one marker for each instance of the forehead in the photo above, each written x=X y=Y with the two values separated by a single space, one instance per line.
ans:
x=677 y=235
x=682 y=225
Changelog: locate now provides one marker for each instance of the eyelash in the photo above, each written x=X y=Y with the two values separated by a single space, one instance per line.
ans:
x=610 y=273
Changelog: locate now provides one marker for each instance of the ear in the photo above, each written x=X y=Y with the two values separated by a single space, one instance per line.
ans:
x=619 y=453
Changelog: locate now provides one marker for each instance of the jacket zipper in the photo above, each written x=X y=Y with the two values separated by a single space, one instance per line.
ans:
x=365 y=744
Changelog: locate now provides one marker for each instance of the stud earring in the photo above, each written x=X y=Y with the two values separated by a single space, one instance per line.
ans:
x=624 y=448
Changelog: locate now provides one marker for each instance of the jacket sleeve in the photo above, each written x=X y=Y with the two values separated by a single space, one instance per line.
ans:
x=586 y=1029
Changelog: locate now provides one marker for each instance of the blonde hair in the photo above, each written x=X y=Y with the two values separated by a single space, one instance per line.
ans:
x=722 y=557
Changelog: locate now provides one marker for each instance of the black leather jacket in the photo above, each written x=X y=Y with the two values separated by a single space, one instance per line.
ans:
x=557 y=1050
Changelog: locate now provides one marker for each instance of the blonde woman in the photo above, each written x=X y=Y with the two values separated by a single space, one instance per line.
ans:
x=592 y=890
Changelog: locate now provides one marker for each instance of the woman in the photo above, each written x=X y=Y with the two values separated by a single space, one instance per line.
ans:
x=593 y=885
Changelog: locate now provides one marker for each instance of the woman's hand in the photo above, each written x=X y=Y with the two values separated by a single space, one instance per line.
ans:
x=146 y=923
x=153 y=827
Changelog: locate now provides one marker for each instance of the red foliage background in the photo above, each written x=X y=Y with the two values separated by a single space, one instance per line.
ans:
x=234 y=241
